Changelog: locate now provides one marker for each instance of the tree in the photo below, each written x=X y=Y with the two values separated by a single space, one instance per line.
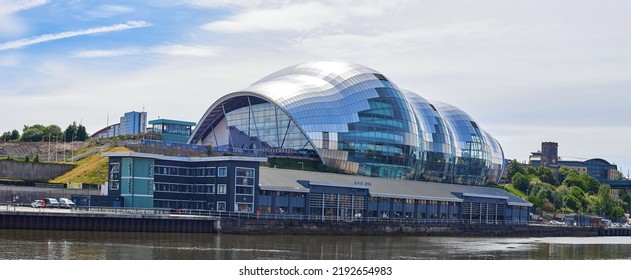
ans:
x=616 y=213
x=574 y=180
x=15 y=135
x=579 y=194
x=82 y=135
x=591 y=184
x=625 y=198
x=546 y=175
x=52 y=132
x=513 y=168
x=33 y=133
x=572 y=202
x=70 y=132
x=520 y=182
x=564 y=172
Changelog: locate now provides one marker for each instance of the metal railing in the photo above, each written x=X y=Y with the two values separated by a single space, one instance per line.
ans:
x=269 y=216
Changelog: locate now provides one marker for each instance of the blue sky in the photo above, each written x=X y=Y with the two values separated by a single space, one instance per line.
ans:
x=527 y=71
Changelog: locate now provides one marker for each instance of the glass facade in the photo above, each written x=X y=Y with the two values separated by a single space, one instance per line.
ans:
x=473 y=155
x=439 y=153
x=133 y=123
x=354 y=119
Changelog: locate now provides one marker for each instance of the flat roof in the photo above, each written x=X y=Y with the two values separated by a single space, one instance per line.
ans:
x=286 y=180
x=172 y=122
x=186 y=159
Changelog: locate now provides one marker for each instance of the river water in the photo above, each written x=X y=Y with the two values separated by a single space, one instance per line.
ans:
x=67 y=245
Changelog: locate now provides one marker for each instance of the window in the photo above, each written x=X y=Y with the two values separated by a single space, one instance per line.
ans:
x=221 y=189
x=221 y=206
x=245 y=172
x=222 y=172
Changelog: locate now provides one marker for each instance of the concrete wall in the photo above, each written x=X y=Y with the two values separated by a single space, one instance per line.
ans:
x=31 y=171
x=27 y=194
x=254 y=226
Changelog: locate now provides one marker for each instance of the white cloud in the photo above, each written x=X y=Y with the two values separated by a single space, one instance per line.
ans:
x=170 y=50
x=184 y=50
x=10 y=25
x=296 y=17
x=105 y=53
x=107 y=11
x=57 y=36
x=8 y=7
x=230 y=3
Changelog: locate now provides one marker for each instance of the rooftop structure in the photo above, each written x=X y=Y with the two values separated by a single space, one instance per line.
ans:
x=172 y=130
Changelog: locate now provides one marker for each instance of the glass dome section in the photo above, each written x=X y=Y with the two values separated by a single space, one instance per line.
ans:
x=439 y=153
x=473 y=156
x=354 y=119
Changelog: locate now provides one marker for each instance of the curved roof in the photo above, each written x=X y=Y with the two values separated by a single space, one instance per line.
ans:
x=357 y=119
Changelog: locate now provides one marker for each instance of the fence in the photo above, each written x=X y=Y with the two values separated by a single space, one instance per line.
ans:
x=288 y=217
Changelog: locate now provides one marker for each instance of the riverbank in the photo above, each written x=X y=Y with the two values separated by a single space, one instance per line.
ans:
x=147 y=220
x=294 y=227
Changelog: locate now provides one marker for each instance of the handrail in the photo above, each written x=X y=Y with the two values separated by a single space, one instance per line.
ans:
x=268 y=216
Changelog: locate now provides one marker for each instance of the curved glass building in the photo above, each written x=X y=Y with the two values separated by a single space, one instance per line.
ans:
x=354 y=119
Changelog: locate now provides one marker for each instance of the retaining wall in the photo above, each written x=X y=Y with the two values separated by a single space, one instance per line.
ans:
x=254 y=226
x=25 y=195
x=31 y=171
x=100 y=222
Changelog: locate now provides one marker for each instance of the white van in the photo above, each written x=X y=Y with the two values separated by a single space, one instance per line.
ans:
x=51 y=203
x=66 y=203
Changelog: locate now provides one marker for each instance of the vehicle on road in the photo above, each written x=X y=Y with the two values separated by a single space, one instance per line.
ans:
x=37 y=203
x=556 y=223
x=66 y=203
x=51 y=203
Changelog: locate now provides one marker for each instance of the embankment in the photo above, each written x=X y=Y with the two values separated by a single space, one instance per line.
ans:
x=253 y=226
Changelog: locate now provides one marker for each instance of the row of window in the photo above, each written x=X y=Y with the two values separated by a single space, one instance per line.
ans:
x=372 y=198
x=185 y=188
x=411 y=201
x=182 y=204
x=191 y=172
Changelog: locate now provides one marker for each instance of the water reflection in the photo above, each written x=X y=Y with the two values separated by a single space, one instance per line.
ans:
x=26 y=244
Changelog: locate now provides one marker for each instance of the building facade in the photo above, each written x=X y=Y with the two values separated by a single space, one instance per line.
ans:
x=549 y=153
x=172 y=130
x=133 y=123
x=600 y=169
x=155 y=181
x=356 y=120
x=237 y=184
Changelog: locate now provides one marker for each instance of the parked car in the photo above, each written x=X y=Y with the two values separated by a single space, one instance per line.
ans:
x=556 y=223
x=37 y=203
x=66 y=203
x=51 y=203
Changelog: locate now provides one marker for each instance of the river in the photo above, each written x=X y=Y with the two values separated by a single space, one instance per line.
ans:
x=68 y=245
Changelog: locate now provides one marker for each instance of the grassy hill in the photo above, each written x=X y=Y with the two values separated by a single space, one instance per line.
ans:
x=91 y=170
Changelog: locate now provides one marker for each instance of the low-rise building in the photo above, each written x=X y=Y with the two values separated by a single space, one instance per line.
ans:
x=237 y=184
x=172 y=130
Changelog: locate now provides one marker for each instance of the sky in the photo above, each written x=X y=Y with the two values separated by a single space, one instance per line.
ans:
x=526 y=71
